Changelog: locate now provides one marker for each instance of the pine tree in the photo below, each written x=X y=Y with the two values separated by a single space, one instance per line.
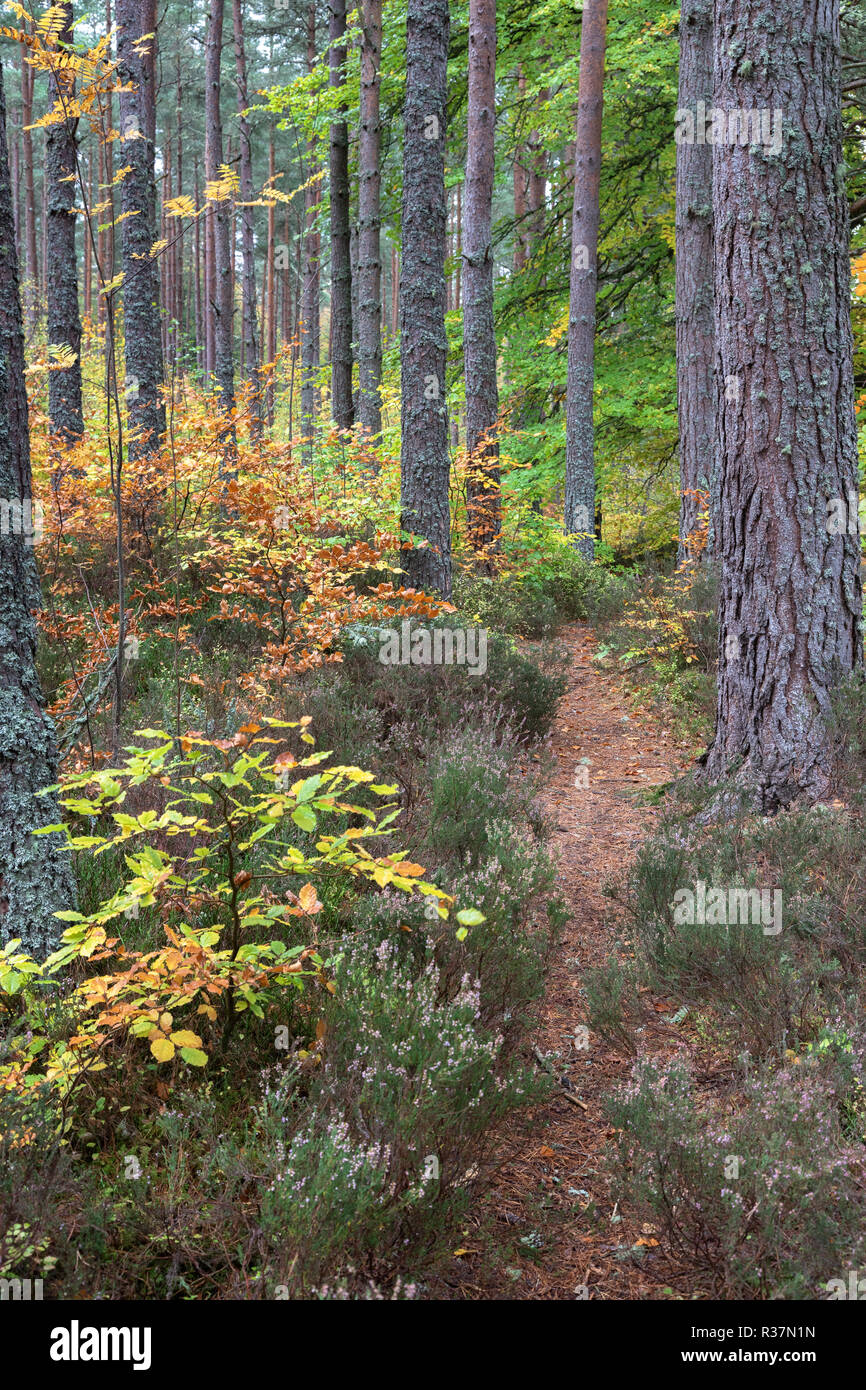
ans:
x=425 y=462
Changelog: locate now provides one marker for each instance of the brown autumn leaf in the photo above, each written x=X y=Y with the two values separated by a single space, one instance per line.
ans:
x=309 y=900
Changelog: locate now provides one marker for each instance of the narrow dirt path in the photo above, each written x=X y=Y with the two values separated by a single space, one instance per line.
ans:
x=548 y=1229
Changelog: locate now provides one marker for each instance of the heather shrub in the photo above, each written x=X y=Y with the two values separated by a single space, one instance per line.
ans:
x=611 y=1001
x=434 y=697
x=773 y=980
x=394 y=1142
x=764 y=1198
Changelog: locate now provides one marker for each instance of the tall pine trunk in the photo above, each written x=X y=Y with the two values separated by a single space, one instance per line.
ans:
x=222 y=307
x=520 y=181
x=310 y=307
x=269 y=317
x=580 y=432
x=64 y=319
x=342 y=405
x=141 y=320
x=483 y=501
x=370 y=223
x=788 y=542
x=29 y=190
x=249 y=314
x=425 y=459
x=35 y=877
x=696 y=375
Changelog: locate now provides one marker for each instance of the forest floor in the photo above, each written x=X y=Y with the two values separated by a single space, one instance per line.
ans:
x=548 y=1228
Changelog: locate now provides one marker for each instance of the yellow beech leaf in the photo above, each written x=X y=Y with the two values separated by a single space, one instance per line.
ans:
x=162 y=1049
x=184 y=1038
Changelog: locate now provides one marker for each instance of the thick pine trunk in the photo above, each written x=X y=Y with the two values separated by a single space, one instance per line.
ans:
x=483 y=502
x=342 y=406
x=222 y=307
x=141 y=319
x=423 y=340
x=249 y=315
x=696 y=374
x=790 y=602
x=64 y=319
x=369 y=224
x=35 y=878
x=580 y=432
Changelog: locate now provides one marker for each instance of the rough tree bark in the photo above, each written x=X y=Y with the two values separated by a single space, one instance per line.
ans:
x=580 y=433
x=29 y=189
x=269 y=318
x=310 y=290
x=423 y=341
x=342 y=405
x=696 y=374
x=64 y=320
x=222 y=307
x=790 y=601
x=369 y=224
x=35 y=877
x=252 y=358
x=483 y=498
x=141 y=320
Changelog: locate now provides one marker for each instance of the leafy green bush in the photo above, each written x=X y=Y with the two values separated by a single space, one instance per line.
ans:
x=509 y=606
x=581 y=589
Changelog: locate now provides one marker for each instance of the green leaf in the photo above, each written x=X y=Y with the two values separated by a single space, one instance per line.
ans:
x=470 y=917
x=304 y=817
x=194 y=1056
